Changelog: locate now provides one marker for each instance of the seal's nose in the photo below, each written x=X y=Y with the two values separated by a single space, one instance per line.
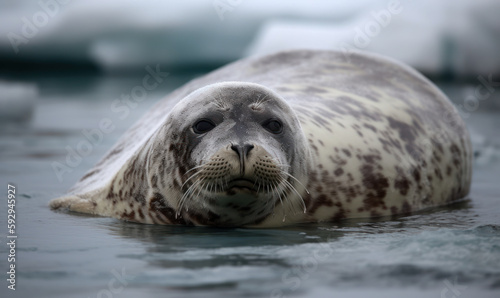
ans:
x=242 y=152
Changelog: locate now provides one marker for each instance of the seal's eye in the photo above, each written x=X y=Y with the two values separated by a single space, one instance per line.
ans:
x=203 y=126
x=273 y=126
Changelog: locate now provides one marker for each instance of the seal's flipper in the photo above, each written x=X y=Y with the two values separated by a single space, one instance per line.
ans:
x=73 y=203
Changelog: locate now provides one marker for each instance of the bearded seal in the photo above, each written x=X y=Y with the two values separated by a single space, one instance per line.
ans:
x=292 y=137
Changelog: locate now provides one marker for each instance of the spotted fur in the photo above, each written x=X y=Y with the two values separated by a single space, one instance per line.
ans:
x=373 y=138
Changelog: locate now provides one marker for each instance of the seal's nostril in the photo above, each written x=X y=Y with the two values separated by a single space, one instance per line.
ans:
x=247 y=148
x=237 y=149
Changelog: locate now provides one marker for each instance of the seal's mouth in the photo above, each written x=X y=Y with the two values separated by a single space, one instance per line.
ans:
x=242 y=185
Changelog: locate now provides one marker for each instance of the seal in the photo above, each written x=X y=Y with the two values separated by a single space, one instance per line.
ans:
x=292 y=137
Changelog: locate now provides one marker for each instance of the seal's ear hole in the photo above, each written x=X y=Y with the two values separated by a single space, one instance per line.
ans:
x=203 y=126
x=273 y=125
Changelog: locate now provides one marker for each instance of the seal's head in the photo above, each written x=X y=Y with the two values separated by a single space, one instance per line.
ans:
x=233 y=153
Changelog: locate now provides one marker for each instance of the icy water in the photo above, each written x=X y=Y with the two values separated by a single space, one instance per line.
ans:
x=449 y=252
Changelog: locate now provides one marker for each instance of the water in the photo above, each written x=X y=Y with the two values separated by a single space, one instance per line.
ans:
x=449 y=252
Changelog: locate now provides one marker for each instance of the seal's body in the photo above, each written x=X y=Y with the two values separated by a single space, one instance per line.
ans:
x=300 y=136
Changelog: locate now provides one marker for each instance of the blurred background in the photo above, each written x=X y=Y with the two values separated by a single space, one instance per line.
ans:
x=68 y=65
x=458 y=38
x=44 y=43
